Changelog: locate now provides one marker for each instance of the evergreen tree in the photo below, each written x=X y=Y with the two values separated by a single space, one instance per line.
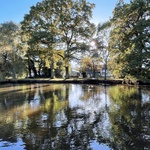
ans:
x=129 y=40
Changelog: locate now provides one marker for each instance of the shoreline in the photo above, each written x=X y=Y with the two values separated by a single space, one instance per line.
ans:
x=48 y=80
x=74 y=81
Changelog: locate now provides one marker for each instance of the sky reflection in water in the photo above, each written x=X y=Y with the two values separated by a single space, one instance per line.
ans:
x=72 y=116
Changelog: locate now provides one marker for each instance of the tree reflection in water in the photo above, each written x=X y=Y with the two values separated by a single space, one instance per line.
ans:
x=70 y=117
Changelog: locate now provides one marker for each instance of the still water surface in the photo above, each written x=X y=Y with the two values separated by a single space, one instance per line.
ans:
x=74 y=117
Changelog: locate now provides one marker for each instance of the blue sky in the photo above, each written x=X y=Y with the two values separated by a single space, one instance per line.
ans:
x=14 y=10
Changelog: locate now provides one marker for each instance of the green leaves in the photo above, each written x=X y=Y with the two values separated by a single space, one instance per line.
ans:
x=128 y=40
x=55 y=24
x=11 y=63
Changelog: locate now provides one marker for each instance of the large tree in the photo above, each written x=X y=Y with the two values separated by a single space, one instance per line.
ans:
x=75 y=27
x=38 y=28
x=59 y=24
x=102 y=44
x=129 y=41
x=11 y=63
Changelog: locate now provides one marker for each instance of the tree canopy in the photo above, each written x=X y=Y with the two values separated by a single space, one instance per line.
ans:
x=129 y=41
x=11 y=62
x=55 y=32
x=59 y=25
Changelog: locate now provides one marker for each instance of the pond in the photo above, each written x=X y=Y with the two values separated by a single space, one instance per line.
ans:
x=74 y=117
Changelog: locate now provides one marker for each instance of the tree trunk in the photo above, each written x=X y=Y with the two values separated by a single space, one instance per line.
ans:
x=33 y=68
x=94 y=73
x=34 y=71
x=29 y=68
x=67 y=72
x=105 y=69
x=52 y=71
x=14 y=73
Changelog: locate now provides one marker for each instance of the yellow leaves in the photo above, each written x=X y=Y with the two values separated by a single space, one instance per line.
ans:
x=55 y=104
x=121 y=94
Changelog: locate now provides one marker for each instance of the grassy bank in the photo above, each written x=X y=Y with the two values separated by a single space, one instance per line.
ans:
x=71 y=80
x=57 y=80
